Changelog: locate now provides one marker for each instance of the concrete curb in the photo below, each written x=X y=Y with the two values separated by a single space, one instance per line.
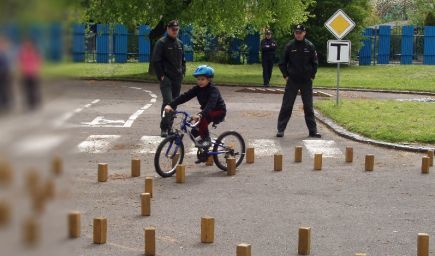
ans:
x=341 y=131
x=272 y=87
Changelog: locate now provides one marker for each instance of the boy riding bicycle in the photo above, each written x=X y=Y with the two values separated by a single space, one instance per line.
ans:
x=213 y=109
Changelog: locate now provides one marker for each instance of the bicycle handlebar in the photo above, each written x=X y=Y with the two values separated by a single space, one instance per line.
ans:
x=186 y=116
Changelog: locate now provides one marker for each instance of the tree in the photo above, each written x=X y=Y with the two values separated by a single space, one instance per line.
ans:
x=422 y=10
x=430 y=20
x=357 y=10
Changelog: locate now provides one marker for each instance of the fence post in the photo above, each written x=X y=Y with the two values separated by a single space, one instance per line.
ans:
x=55 y=45
x=384 y=44
x=144 y=43
x=429 y=45
x=235 y=50
x=102 y=43
x=407 y=45
x=78 y=44
x=186 y=38
x=253 y=42
x=120 y=47
x=365 y=53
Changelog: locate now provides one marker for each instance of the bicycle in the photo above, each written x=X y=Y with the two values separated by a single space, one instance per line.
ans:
x=170 y=152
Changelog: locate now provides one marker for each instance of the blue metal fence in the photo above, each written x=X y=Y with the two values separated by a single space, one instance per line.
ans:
x=78 y=43
x=253 y=43
x=429 y=45
x=103 y=43
x=186 y=38
x=365 y=53
x=407 y=51
x=144 y=43
x=120 y=43
x=384 y=44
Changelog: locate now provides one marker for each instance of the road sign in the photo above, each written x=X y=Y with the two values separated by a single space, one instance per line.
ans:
x=340 y=24
x=339 y=51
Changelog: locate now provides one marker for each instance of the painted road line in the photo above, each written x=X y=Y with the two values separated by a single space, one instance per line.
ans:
x=68 y=115
x=133 y=117
x=38 y=144
x=327 y=147
x=137 y=88
x=97 y=143
x=265 y=147
x=149 y=144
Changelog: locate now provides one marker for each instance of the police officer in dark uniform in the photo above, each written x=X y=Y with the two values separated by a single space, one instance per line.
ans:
x=299 y=68
x=170 y=67
x=268 y=46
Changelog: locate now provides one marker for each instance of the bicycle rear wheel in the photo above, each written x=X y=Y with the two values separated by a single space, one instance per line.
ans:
x=169 y=154
x=228 y=144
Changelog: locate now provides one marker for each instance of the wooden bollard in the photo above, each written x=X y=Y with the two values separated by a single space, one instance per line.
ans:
x=250 y=155
x=430 y=155
x=149 y=185
x=5 y=174
x=425 y=162
x=135 y=167
x=360 y=254
x=150 y=241
x=298 y=154
x=100 y=230
x=422 y=244
x=31 y=232
x=145 y=203
x=209 y=161
x=39 y=200
x=369 y=163
x=74 y=224
x=318 y=161
x=175 y=160
x=304 y=244
x=49 y=189
x=180 y=174
x=349 y=155
x=231 y=166
x=56 y=166
x=103 y=172
x=32 y=181
x=243 y=250
x=5 y=213
x=277 y=162
x=207 y=229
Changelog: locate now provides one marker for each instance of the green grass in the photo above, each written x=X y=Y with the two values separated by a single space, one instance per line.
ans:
x=391 y=77
x=386 y=120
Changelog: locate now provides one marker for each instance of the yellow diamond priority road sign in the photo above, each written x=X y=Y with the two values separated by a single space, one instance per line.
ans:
x=340 y=24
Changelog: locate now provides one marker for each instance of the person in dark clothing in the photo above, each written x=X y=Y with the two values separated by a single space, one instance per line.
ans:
x=213 y=108
x=5 y=77
x=299 y=67
x=170 y=67
x=268 y=46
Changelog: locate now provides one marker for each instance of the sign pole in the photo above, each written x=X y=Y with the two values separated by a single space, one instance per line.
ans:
x=338 y=82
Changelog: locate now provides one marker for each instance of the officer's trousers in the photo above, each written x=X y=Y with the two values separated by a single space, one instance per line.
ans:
x=288 y=100
x=170 y=89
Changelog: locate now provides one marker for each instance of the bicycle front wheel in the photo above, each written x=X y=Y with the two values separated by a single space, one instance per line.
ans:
x=228 y=144
x=169 y=154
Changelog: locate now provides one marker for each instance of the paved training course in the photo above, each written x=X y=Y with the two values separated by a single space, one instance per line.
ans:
x=89 y=122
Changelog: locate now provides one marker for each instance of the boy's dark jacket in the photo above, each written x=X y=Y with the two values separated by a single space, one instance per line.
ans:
x=208 y=97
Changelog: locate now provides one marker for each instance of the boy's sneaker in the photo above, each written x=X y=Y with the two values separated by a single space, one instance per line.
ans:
x=206 y=143
x=164 y=133
x=315 y=135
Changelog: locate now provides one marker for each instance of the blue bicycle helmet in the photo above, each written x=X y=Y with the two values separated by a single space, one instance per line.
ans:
x=204 y=70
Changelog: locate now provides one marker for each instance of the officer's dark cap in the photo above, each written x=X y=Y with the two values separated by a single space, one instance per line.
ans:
x=173 y=24
x=300 y=28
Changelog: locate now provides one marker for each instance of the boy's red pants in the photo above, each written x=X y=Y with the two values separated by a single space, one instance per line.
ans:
x=212 y=116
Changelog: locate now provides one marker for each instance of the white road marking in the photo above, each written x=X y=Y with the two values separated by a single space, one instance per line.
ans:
x=65 y=117
x=100 y=121
x=97 y=143
x=149 y=144
x=327 y=147
x=265 y=147
x=38 y=145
